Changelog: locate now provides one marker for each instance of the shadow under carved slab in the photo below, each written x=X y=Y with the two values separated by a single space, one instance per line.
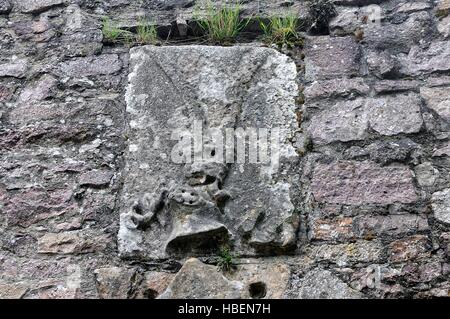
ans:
x=185 y=192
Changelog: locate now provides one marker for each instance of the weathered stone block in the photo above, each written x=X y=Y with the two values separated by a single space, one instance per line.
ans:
x=154 y=284
x=5 y=6
x=74 y=242
x=91 y=66
x=399 y=37
x=409 y=248
x=114 y=282
x=52 y=289
x=40 y=90
x=25 y=113
x=413 y=6
x=36 y=6
x=322 y=284
x=13 y=290
x=392 y=115
x=195 y=205
x=33 y=205
x=263 y=279
x=381 y=279
x=336 y=88
x=327 y=58
x=350 y=120
x=96 y=178
x=444 y=27
x=422 y=273
x=391 y=86
x=196 y=280
x=443 y=151
x=343 y=122
x=440 y=203
x=426 y=174
x=382 y=64
x=15 y=68
x=435 y=59
x=438 y=99
x=345 y=255
x=251 y=279
x=394 y=225
x=356 y=183
x=328 y=230
x=346 y=21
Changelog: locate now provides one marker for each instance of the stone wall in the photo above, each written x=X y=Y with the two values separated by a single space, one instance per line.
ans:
x=359 y=209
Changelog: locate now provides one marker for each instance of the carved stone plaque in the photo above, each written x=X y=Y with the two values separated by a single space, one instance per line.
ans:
x=210 y=159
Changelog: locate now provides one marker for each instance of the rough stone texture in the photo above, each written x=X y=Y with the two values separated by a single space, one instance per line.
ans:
x=214 y=84
x=249 y=280
x=36 y=6
x=356 y=183
x=426 y=174
x=95 y=178
x=438 y=99
x=322 y=284
x=5 y=6
x=38 y=91
x=441 y=206
x=106 y=64
x=328 y=58
x=369 y=226
x=409 y=248
x=14 y=68
x=434 y=59
x=399 y=36
x=329 y=230
x=154 y=284
x=351 y=120
x=336 y=88
x=392 y=86
x=70 y=243
x=344 y=121
x=395 y=115
x=370 y=116
x=273 y=277
x=345 y=255
x=444 y=27
x=114 y=282
x=12 y=291
x=199 y=281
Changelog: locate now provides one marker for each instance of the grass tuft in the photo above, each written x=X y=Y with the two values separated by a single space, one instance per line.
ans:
x=222 y=23
x=146 y=33
x=112 y=33
x=281 y=30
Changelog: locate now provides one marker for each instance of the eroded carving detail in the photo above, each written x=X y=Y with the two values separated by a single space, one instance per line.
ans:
x=194 y=209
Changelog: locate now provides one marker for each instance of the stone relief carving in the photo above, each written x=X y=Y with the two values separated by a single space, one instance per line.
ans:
x=177 y=209
x=193 y=206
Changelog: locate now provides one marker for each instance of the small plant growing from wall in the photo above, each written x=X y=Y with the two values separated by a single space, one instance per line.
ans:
x=226 y=260
x=146 y=33
x=442 y=12
x=282 y=31
x=221 y=23
x=112 y=33
x=320 y=13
